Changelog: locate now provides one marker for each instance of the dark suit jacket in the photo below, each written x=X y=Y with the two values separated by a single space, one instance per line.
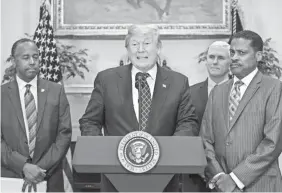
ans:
x=199 y=95
x=250 y=144
x=111 y=107
x=53 y=132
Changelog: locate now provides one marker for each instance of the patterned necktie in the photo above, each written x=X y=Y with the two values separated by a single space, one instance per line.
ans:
x=145 y=96
x=234 y=98
x=31 y=116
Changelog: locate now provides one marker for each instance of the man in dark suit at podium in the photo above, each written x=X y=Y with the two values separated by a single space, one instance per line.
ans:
x=114 y=101
x=217 y=63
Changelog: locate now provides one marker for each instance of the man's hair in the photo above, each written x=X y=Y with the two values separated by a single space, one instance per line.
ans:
x=256 y=40
x=17 y=43
x=143 y=29
x=220 y=44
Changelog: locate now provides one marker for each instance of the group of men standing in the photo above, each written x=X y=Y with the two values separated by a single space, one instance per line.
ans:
x=238 y=118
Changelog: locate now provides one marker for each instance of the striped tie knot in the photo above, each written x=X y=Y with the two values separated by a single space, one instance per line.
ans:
x=27 y=88
x=234 y=98
x=238 y=84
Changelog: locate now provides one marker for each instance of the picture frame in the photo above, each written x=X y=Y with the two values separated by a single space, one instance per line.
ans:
x=108 y=18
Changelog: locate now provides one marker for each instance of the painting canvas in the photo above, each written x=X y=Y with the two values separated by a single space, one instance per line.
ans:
x=112 y=17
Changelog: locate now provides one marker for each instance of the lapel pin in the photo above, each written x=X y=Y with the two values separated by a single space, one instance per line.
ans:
x=164 y=85
x=42 y=90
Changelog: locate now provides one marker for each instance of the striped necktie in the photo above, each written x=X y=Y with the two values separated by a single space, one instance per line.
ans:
x=234 y=99
x=31 y=116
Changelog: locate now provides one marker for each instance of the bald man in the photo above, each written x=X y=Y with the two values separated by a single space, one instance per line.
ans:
x=218 y=61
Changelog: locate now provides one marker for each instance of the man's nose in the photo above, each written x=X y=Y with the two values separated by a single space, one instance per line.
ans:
x=234 y=56
x=215 y=60
x=141 y=48
x=31 y=61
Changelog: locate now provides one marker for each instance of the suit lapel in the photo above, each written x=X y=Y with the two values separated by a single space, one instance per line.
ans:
x=124 y=85
x=249 y=93
x=42 y=92
x=15 y=99
x=161 y=90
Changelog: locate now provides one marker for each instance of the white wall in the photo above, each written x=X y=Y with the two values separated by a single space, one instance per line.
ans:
x=21 y=16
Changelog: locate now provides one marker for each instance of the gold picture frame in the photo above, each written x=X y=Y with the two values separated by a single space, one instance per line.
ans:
x=112 y=17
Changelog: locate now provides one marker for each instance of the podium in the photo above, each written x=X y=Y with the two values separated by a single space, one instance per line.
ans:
x=178 y=155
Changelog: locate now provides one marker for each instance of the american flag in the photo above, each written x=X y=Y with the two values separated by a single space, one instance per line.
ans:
x=44 y=38
x=50 y=70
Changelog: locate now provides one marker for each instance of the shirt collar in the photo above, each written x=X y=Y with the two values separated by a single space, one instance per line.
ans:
x=152 y=72
x=22 y=83
x=211 y=83
x=247 y=79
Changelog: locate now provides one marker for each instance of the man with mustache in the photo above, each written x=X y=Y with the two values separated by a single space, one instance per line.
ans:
x=241 y=127
x=35 y=122
x=114 y=101
x=217 y=63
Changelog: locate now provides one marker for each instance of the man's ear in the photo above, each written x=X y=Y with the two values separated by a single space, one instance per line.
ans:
x=259 y=56
x=159 y=50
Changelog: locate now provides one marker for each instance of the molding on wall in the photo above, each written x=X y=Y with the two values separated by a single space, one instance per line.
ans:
x=79 y=88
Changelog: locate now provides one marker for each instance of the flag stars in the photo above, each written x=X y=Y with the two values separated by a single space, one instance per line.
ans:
x=43 y=37
x=38 y=31
x=49 y=76
x=42 y=75
x=53 y=50
x=50 y=68
x=36 y=40
x=57 y=68
x=40 y=49
x=55 y=77
x=46 y=58
x=44 y=67
x=47 y=49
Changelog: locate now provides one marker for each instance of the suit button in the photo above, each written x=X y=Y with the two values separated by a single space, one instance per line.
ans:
x=228 y=143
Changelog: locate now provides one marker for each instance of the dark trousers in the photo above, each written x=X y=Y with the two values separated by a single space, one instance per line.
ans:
x=193 y=183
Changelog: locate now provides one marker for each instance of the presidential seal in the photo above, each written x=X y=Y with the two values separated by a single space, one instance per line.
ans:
x=138 y=152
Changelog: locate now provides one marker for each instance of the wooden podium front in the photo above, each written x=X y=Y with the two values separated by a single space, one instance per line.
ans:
x=178 y=155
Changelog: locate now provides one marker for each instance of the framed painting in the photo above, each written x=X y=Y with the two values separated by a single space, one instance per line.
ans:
x=112 y=17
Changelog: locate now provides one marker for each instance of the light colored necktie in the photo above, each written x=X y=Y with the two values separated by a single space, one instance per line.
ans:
x=234 y=98
x=146 y=101
x=31 y=116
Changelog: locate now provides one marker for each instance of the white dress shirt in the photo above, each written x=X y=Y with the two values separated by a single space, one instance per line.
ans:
x=22 y=90
x=246 y=80
x=151 y=82
x=211 y=84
